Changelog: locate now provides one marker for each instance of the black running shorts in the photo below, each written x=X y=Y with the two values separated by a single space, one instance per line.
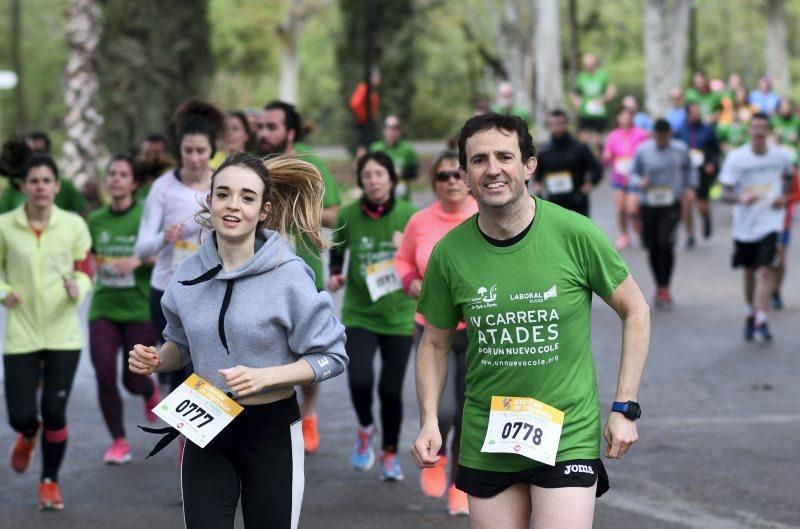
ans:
x=756 y=254
x=575 y=473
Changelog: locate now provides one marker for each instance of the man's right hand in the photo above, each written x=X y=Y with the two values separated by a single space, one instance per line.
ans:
x=11 y=300
x=143 y=359
x=426 y=448
x=335 y=282
x=747 y=198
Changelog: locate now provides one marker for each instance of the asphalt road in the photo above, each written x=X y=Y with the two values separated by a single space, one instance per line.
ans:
x=719 y=439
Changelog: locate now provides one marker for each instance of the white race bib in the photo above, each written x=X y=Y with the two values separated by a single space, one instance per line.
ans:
x=382 y=279
x=660 y=196
x=623 y=166
x=559 y=183
x=180 y=251
x=697 y=157
x=198 y=410
x=595 y=107
x=524 y=426
x=107 y=274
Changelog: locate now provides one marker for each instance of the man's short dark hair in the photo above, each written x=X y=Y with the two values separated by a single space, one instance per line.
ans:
x=761 y=115
x=662 y=125
x=155 y=137
x=493 y=120
x=39 y=135
x=559 y=113
x=291 y=118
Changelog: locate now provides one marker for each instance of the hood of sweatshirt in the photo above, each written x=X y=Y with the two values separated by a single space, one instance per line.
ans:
x=271 y=251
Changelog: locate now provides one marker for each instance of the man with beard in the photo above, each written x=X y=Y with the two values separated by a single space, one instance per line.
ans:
x=279 y=131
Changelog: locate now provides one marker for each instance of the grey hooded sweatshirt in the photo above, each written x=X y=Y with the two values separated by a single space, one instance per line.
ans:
x=265 y=313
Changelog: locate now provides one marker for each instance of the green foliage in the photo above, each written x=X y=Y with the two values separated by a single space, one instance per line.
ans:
x=44 y=55
x=394 y=33
x=153 y=56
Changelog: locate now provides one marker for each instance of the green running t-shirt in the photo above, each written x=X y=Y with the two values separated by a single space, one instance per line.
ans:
x=370 y=242
x=123 y=299
x=527 y=308
x=591 y=86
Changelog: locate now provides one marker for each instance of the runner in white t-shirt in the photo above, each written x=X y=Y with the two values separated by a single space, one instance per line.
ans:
x=756 y=177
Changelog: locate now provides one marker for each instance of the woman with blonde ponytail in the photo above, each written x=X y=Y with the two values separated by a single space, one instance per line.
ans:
x=244 y=309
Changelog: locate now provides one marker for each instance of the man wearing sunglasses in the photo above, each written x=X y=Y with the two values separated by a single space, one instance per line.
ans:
x=567 y=171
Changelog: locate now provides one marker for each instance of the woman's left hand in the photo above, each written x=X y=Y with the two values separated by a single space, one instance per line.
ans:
x=245 y=380
x=71 y=286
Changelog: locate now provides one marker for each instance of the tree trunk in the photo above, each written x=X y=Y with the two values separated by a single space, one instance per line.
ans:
x=83 y=121
x=289 y=35
x=574 y=52
x=549 y=79
x=20 y=109
x=516 y=48
x=777 y=47
x=665 y=46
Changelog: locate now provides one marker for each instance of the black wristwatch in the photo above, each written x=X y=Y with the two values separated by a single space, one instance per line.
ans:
x=631 y=410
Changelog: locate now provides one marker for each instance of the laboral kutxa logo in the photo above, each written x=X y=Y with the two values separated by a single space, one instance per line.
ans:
x=535 y=297
x=486 y=298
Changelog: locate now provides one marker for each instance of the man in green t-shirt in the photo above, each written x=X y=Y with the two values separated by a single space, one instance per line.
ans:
x=401 y=152
x=504 y=102
x=707 y=100
x=521 y=273
x=279 y=131
x=592 y=91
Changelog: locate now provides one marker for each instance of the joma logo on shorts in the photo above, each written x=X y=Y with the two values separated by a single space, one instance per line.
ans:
x=585 y=469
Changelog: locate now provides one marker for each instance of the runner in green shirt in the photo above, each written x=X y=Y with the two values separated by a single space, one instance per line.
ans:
x=279 y=131
x=401 y=152
x=786 y=128
x=708 y=101
x=521 y=274
x=592 y=91
x=119 y=316
x=376 y=312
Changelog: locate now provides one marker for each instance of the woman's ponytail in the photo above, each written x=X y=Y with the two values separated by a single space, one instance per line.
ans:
x=296 y=190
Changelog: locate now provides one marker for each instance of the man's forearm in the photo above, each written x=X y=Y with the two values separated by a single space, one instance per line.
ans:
x=431 y=375
x=635 y=346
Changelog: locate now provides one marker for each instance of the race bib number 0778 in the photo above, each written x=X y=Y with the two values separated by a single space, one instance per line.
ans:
x=524 y=426
x=198 y=410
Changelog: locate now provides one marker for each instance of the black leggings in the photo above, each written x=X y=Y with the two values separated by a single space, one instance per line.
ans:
x=174 y=378
x=395 y=350
x=659 y=225
x=22 y=374
x=259 y=457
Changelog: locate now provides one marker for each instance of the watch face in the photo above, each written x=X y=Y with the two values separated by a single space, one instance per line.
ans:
x=634 y=411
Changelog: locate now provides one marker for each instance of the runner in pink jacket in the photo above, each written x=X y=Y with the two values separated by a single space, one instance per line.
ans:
x=453 y=206
x=620 y=146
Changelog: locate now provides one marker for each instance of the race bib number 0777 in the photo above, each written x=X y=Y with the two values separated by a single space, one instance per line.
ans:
x=198 y=410
x=524 y=426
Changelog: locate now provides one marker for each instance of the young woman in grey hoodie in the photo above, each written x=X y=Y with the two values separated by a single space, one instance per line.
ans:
x=245 y=311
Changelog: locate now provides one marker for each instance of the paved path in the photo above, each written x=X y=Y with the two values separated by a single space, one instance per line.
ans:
x=718 y=441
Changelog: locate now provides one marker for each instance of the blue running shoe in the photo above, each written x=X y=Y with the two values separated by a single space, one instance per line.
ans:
x=390 y=467
x=762 y=333
x=749 y=328
x=776 y=301
x=363 y=456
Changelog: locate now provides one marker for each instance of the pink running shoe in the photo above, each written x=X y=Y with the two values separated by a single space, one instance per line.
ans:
x=119 y=453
